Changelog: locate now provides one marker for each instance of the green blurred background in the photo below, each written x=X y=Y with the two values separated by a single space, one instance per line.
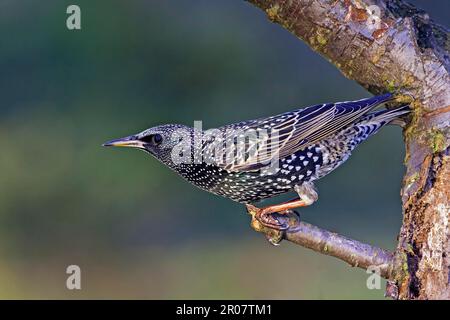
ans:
x=135 y=228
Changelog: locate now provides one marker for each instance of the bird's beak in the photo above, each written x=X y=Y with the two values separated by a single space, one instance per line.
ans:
x=130 y=141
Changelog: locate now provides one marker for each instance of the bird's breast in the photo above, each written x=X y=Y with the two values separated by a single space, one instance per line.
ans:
x=251 y=186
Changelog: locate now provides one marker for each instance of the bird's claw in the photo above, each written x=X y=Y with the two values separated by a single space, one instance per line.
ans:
x=273 y=225
x=274 y=237
x=289 y=219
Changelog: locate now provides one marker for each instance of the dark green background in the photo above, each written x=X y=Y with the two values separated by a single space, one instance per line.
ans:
x=135 y=228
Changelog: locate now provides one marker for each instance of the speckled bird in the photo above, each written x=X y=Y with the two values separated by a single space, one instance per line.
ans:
x=301 y=146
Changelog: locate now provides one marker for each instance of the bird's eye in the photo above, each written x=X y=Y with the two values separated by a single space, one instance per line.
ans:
x=154 y=139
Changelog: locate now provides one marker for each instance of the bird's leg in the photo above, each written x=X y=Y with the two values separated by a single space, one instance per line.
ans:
x=308 y=195
x=308 y=192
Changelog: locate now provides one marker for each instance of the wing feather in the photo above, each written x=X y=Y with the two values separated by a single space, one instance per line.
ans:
x=285 y=134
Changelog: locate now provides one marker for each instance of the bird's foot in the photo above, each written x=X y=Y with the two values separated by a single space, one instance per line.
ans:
x=266 y=218
x=273 y=224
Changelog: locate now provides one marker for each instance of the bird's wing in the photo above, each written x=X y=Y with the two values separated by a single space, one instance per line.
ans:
x=257 y=142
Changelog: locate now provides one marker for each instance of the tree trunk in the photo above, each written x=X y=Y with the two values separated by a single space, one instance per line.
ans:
x=391 y=46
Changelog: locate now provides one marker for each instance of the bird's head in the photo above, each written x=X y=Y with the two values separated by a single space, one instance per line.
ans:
x=159 y=141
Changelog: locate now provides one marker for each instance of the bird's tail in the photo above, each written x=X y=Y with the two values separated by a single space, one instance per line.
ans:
x=394 y=116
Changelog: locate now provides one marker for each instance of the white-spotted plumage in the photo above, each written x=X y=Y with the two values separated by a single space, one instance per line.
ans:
x=300 y=146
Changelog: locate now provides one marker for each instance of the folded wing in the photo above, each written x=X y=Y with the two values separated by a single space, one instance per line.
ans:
x=253 y=144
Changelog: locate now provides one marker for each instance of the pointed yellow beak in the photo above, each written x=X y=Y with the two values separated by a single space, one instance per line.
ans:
x=130 y=141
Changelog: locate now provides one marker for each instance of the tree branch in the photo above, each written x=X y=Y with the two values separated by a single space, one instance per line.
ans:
x=355 y=253
x=391 y=46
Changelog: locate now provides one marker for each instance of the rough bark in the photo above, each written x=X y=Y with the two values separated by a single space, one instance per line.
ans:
x=395 y=47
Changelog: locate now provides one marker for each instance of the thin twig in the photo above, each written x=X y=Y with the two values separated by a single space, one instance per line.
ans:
x=354 y=252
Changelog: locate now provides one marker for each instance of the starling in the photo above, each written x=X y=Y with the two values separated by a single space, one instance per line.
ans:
x=258 y=159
